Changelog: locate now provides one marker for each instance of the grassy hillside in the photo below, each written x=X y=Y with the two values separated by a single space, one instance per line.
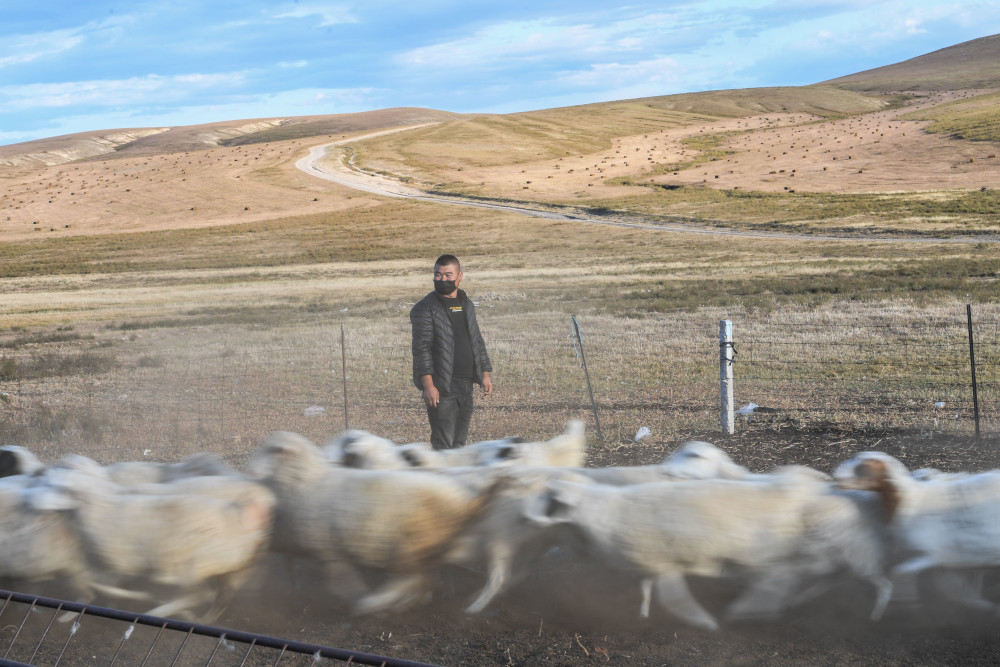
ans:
x=826 y=102
x=973 y=64
x=491 y=140
x=976 y=118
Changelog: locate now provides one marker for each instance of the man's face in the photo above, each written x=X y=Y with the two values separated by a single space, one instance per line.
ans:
x=448 y=272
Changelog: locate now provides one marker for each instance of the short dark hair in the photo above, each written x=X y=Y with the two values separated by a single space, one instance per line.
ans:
x=448 y=260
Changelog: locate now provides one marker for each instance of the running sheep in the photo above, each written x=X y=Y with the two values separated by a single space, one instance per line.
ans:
x=202 y=541
x=944 y=523
x=777 y=534
x=398 y=523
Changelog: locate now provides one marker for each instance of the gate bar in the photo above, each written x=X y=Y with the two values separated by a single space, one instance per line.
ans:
x=212 y=631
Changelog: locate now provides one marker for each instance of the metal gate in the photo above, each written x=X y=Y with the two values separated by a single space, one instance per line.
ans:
x=169 y=641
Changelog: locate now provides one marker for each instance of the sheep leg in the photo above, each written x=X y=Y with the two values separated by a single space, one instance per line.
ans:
x=883 y=586
x=122 y=593
x=646 y=586
x=769 y=595
x=344 y=580
x=499 y=573
x=181 y=604
x=226 y=586
x=963 y=588
x=913 y=566
x=397 y=593
x=673 y=593
x=90 y=587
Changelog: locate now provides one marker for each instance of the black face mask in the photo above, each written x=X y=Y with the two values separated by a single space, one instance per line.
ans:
x=444 y=287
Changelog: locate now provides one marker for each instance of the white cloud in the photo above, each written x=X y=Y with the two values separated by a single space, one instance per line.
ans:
x=921 y=20
x=19 y=49
x=329 y=14
x=149 y=90
x=538 y=39
x=656 y=72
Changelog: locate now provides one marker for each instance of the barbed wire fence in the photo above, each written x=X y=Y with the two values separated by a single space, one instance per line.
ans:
x=172 y=393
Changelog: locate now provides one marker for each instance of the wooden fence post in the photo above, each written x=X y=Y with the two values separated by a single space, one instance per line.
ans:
x=726 y=355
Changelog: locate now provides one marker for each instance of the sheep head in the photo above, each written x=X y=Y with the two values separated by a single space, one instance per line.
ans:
x=287 y=459
x=15 y=460
x=874 y=471
x=702 y=460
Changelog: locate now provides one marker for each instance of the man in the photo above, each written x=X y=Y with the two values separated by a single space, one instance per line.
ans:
x=449 y=355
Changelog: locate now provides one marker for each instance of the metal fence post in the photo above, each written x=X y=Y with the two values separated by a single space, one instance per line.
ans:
x=578 y=344
x=972 y=362
x=726 y=355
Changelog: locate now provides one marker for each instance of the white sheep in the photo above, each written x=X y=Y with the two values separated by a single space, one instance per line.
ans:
x=150 y=472
x=204 y=543
x=36 y=543
x=697 y=459
x=422 y=455
x=399 y=523
x=774 y=533
x=565 y=450
x=500 y=542
x=944 y=522
x=569 y=449
x=361 y=449
x=504 y=544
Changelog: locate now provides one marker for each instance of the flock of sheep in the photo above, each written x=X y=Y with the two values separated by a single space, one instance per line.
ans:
x=364 y=509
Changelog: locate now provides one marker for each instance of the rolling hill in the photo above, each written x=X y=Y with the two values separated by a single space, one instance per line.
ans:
x=969 y=65
x=157 y=141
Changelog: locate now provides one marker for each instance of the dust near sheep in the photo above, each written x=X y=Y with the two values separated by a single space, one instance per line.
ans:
x=570 y=612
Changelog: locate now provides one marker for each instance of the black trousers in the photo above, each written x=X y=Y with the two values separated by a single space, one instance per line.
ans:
x=450 y=419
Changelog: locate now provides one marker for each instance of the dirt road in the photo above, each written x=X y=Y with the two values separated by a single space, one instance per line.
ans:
x=348 y=174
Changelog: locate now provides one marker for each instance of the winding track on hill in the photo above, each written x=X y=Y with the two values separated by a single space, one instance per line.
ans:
x=348 y=174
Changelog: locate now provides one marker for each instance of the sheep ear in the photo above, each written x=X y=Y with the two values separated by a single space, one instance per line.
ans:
x=411 y=458
x=506 y=452
x=551 y=507
x=9 y=465
x=558 y=509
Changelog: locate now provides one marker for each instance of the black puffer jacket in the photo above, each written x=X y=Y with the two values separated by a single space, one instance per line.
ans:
x=434 y=343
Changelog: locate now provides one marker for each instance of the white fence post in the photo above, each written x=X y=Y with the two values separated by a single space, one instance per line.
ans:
x=726 y=354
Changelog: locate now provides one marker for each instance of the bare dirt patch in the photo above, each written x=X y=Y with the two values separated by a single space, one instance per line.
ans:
x=772 y=152
x=192 y=189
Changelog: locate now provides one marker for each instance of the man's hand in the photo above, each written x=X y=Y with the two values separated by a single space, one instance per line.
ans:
x=487 y=384
x=431 y=394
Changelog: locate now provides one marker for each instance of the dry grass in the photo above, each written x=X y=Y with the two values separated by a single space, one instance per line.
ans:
x=976 y=117
x=148 y=325
x=214 y=358
x=211 y=382
x=973 y=64
x=878 y=171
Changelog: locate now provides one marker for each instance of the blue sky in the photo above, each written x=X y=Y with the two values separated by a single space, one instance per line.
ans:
x=70 y=66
